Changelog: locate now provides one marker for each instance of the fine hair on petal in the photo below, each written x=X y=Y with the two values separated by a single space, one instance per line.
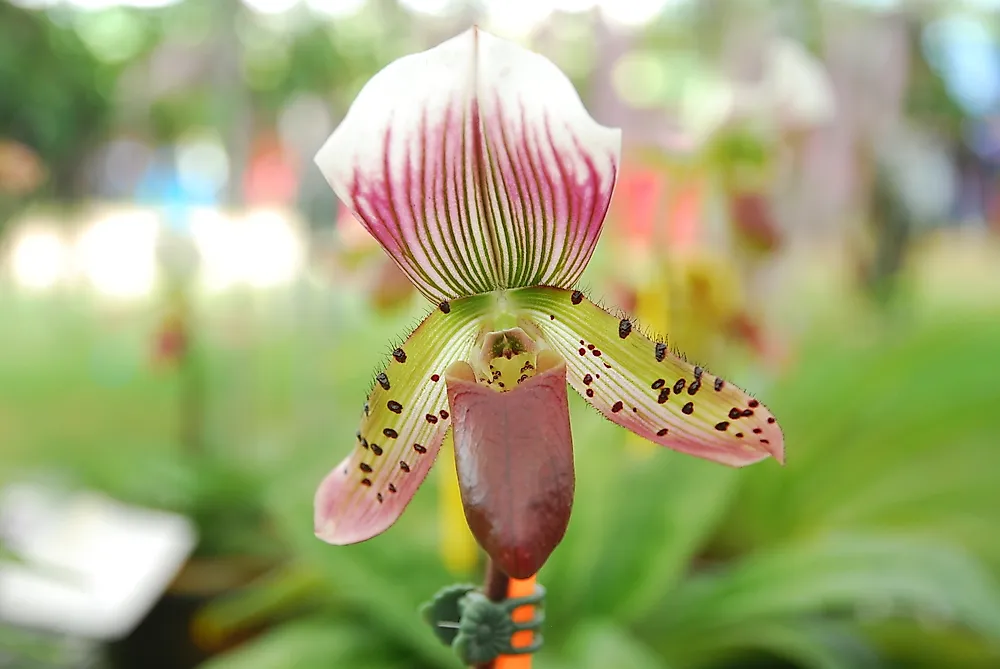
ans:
x=657 y=338
x=395 y=342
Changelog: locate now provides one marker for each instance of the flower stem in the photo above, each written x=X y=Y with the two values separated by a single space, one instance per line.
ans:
x=497 y=583
x=495 y=587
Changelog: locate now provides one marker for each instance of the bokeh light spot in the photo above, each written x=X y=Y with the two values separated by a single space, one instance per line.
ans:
x=117 y=253
x=38 y=259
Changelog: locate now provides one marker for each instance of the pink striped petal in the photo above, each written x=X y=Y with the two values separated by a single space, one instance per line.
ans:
x=476 y=167
x=644 y=387
x=402 y=427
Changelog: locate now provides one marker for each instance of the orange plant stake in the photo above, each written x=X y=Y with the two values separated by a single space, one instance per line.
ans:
x=519 y=588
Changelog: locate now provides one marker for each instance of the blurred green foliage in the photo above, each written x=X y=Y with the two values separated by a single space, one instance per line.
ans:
x=872 y=548
x=20 y=649
x=57 y=96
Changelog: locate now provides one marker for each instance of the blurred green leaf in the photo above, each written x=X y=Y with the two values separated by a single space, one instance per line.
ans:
x=603 y=645
x=311 y=643
x=938 y=645
x=285 y=591
x=837 y=575
x=812 y=644
x=903 y=420
x=642 y=523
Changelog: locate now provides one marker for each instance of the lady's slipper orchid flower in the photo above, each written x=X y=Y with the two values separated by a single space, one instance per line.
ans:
x=478 y=170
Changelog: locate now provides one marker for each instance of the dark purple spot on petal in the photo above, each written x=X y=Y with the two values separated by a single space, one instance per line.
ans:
x=748 y=412
x=583 y=351
x=753 y=404
x=694 y=387
x=399 y=354
x=718 y=384
x=419 y=449
x=739 y=435
x=366 y=481
x=445 y=307
x=378 y=496
x=597 y=352
x=435 y=378
x=587 y=379
x=365 y=467
x=663 y=396
x=662 y=432
x=576 y=297
x=392 y=488
x=765 y=441
x=431 y=418
x=624 y=328
x=698 y=371
x=757 y=430
x=383 y=380
x=389 y=432
x=657 y=384
x=617 y=406
x=679 y=386
x=734 y=413
x=590 y=392
x=376 y=449
x=405 y=467
x=688 y=408
x=444 y=414
x=394 y=406
x=661 y=351
x=770 y=419
x=722 y=427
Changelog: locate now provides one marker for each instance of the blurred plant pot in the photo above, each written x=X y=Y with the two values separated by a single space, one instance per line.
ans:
x=167 y=637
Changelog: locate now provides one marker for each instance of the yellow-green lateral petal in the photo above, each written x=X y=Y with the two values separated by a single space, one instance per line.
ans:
x=402 y=426
x=644 y=387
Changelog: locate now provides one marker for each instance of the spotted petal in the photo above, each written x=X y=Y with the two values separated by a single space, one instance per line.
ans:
x=641 y=385
x=402 y=427
x=475 y=166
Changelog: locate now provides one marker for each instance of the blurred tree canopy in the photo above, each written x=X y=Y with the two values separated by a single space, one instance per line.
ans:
x=57 y=96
